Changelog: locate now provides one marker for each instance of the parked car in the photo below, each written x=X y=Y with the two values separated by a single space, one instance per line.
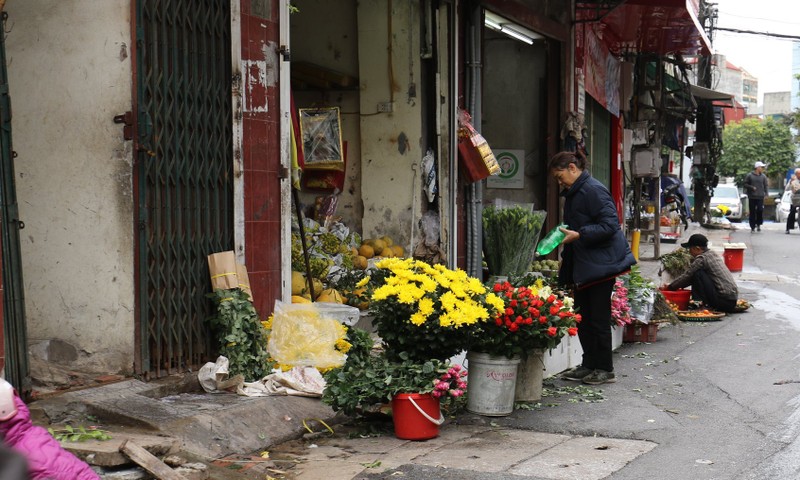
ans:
x=771 y=204
x=782 y=208
x=728 y=195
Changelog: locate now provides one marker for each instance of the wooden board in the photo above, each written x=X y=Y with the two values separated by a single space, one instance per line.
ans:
x=149 y=462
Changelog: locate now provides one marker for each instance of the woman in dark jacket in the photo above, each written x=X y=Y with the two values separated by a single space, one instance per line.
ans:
x=595 y=252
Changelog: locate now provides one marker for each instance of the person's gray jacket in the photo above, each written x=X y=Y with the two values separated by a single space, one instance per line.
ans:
x=755 y=186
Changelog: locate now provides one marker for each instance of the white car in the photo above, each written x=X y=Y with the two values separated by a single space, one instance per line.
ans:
x=728 y=195
x=782 y=207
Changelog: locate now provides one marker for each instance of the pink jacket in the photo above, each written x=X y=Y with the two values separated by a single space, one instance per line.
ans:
x=46 y=459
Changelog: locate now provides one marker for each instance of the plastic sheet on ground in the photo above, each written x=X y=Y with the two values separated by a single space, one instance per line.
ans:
x=299 y=381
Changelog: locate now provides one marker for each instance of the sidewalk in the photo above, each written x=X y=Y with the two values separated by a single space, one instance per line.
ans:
x=215 y=426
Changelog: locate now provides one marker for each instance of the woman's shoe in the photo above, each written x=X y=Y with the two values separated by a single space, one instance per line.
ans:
x=577 y=374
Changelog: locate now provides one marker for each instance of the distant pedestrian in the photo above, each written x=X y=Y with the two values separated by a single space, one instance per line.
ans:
x=756 y=188
x=595 y=252
x=794 y=187
x=711 y=281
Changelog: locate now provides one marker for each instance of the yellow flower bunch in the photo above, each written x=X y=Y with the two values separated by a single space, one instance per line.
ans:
x=419 y=285
x=421 y=309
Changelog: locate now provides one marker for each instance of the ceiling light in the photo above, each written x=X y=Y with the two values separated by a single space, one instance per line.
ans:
x=492 y=24
x=514 y=34
x=513 y=30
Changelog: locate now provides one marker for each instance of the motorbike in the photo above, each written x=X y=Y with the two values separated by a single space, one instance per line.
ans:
x=674 y=201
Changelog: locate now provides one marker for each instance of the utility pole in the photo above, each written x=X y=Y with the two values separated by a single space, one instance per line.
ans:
x=708 y=137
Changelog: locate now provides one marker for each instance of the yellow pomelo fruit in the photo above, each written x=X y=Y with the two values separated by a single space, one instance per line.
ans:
x=298 y=283
x=398 y=250
x=369 y=241
x=300 y=299
x=387 y=240
x=378 y=246
x=354 y=251
x=360 y=262
x=387 y=252
x=366 y=251
x=318 y=286
x=330 y=295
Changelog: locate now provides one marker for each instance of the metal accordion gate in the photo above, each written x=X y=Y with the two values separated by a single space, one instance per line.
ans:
x=183 y=175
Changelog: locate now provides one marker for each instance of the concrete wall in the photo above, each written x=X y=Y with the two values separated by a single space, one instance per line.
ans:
x=777 y=103
x=391 y=151
x=70 y=74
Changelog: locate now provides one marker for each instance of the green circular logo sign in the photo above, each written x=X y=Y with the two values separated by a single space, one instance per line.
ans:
x=509 y=165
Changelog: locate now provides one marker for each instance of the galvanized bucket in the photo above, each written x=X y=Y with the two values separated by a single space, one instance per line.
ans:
x=492 y=382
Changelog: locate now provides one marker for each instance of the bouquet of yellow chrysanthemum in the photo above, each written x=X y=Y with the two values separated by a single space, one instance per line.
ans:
x=425 y=310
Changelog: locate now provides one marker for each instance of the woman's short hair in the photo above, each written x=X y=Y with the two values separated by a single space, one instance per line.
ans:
x=562 y=160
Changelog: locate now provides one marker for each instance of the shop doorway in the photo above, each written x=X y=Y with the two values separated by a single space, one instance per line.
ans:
x=514 y=111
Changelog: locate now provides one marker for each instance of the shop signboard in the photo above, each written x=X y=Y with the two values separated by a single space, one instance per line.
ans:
x=512 y=169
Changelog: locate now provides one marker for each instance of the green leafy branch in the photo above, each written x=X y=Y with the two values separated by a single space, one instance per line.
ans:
x=80 y=434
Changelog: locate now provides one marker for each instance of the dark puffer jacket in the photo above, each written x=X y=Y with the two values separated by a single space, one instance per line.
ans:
x=601 y=251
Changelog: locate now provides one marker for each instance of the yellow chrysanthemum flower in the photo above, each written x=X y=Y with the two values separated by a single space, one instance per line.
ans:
x=363 y=282
x=343 y=345
x=495 y=302
x=410 y=294
x=418 y=318
x=425 y=306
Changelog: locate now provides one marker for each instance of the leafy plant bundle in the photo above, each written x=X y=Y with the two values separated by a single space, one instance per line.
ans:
x=242 y=338
x=676 y=263
x=533 y=318
x=368 y=380
x=641 y=294
x=79 y=434
x=510 y=234
x=424 y=311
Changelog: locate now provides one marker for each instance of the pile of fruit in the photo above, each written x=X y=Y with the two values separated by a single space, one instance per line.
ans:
x=339 y=260
x=699 y=315
x=375 y=248
x=547 y=267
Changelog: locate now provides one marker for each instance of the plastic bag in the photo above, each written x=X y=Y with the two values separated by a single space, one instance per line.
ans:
x=429 y=176
x=303 y=336
x=642 y=306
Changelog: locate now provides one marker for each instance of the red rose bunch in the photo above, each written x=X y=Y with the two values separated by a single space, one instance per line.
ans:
x=533 y=317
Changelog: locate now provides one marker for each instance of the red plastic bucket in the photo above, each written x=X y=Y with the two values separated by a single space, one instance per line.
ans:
x=678 y=297
x=416 y=416
x=734 y=259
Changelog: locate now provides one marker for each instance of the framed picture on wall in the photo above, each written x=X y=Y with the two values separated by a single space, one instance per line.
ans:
x=320 y=130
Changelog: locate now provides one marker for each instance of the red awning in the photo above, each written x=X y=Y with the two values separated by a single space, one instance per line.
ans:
x=650 y=26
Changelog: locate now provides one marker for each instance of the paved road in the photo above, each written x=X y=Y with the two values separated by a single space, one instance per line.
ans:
x=716 y=400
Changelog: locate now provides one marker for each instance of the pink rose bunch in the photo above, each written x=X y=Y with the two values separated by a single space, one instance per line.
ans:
x=452 y=383
x=620 y=306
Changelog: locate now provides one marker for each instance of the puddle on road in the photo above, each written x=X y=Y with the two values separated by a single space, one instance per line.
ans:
x=779 y=305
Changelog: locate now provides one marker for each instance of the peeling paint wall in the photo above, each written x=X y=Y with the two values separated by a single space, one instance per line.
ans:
x=70 y=74
x=390 y=142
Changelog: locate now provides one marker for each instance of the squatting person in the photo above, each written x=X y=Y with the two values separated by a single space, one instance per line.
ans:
x=711 y=281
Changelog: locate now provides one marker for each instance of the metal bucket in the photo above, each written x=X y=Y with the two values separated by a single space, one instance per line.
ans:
x=530 y=375
x=492 y=383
